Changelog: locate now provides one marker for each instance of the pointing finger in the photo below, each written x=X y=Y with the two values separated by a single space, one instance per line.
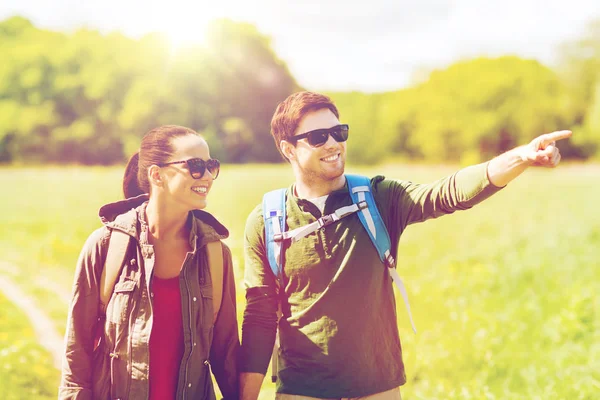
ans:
x=558 y=135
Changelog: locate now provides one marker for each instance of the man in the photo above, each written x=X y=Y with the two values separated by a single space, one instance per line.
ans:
x=338 y=333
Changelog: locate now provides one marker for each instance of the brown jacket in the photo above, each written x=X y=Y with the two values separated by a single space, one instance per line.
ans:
x=118 y=368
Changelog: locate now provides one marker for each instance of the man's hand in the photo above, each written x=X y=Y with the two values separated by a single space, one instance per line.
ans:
x=542 y=151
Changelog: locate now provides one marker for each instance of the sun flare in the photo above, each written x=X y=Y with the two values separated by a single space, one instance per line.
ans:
x=187 y=24
x=187 y=35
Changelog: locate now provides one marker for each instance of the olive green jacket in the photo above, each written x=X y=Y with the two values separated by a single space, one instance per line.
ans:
x=118 y=367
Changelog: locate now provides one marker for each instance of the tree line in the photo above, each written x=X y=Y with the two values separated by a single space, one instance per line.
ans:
x=85 y=97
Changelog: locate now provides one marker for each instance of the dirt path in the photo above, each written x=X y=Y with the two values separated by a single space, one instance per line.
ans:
x=41 y=323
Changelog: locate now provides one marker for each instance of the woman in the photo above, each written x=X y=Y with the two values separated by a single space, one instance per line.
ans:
x=162 y=331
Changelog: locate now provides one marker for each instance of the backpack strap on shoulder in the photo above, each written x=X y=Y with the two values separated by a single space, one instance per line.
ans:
x=359 y=188
x=214 y=254
x=273 y=207
x=115 y=257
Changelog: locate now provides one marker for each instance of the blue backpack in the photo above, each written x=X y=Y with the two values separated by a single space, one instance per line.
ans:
x=359 y=188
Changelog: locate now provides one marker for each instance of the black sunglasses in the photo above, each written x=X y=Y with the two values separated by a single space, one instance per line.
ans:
x=198 y=166
x=319 y=137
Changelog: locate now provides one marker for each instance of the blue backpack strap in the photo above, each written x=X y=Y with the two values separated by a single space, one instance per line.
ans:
x=359 y=188
x=273 y=206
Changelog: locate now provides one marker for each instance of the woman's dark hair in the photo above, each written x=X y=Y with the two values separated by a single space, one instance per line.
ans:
x=156 y=148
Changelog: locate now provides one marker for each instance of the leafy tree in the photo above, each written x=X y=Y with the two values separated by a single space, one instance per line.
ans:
x=88 y=98
x=85 y=97
x=465 y=113
x=580 y=69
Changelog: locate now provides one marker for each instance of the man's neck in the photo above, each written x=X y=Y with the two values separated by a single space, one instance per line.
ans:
x=314 y=189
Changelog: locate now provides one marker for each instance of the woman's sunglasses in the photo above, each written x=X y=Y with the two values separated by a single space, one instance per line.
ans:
x=319 y=137
x=198 y=166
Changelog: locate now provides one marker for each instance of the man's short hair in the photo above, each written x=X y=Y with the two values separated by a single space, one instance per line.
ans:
x=290 y=112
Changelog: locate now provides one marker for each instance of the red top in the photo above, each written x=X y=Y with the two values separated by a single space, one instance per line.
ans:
x=166 y=339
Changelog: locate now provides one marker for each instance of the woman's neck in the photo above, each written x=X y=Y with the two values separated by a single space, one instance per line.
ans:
x=165 y=222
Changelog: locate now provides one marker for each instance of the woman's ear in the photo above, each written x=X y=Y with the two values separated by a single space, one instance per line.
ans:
x=155 y=176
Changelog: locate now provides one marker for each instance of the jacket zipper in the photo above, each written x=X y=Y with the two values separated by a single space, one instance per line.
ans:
x=187 y=362
x=139 y=257
x=151 y=303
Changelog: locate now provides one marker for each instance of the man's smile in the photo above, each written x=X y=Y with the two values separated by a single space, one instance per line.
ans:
x=331 y=158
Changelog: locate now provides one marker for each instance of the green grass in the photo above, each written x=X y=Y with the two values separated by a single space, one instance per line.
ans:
x=26 y=370
x=505 y=296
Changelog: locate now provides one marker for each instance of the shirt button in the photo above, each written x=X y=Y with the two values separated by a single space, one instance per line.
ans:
x=189 y=385
x=151 y=294
x=194 y=299
x=194 y=344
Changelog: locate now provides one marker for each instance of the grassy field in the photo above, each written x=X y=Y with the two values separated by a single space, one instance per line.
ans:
x=505 y=296
x=26 y=370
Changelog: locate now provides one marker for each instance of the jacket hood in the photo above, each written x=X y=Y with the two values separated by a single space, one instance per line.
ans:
x=123 y=215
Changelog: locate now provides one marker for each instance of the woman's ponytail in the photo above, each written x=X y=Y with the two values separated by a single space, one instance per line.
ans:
x=131 y=187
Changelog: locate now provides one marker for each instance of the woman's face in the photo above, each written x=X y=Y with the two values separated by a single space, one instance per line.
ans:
x=181 y=188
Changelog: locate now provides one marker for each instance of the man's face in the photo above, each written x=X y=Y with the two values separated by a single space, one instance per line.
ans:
x=317 y=164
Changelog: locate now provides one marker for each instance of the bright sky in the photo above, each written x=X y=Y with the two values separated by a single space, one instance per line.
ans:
x=374 y=45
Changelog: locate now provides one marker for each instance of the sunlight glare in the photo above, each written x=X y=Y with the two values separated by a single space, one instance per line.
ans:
x=186 y=25
x=187 y=35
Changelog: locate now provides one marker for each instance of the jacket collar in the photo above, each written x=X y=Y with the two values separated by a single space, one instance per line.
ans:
x=125 y=216
x=341 y=191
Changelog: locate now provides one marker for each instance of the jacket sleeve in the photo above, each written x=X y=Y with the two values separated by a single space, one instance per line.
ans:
x=259 y=325
x=76 y=378
x=226 y=343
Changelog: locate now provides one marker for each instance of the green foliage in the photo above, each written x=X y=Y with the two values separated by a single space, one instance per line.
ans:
x=588 y=137
x=476 y=109
x=579 y=68
x=251 y=82
x=370 y=132
x=86 y=97
x=580 y=63
x=504 y=295
x=467 y=113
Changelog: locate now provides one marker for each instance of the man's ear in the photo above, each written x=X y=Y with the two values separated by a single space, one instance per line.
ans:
x=155 y=176
x=288 y=149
